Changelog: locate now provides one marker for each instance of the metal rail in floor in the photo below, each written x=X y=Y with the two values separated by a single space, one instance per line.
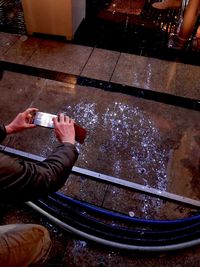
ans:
x=113 y=228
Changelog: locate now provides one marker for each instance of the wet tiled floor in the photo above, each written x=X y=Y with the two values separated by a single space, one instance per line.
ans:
x=144 y=141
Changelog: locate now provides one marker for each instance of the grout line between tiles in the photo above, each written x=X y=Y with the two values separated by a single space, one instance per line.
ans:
x=160 y=97
x=114 y=67
x=87 y=60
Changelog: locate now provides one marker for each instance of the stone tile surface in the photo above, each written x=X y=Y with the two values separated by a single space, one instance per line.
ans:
x=81 y=253
x=79 y=187
x=147 y=73
x=158 y=75
x=130 y=138
x=17 y=93
x=188 y=81
x=6 y=41
x=22 y=50
x=132 y=203
x=60 y=56
x=101 y=64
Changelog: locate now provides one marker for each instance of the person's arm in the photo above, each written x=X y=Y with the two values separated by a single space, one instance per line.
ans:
x=23 y=180
x=21 y=122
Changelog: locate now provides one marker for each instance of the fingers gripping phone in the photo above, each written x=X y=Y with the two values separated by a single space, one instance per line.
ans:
x=45 y=120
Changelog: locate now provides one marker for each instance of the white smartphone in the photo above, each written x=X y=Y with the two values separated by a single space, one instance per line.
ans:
x=45 y=120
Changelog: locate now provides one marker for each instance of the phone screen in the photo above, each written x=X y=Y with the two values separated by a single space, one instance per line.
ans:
x=44 y=119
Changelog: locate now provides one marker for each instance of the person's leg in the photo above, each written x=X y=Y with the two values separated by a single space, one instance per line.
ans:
x=166 y=4
x=189 y=19
x=196 y=41
x=23 y=245
x=181 y=38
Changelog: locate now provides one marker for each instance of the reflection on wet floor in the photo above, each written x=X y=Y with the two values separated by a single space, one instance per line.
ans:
x=126 y=6
x=128 y=142
x=126 y=134
x=127 y=138
x=128 y=146
x=139 y=140
x=128 y=26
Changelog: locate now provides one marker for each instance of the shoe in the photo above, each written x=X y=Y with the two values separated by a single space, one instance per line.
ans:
x=195 y=46
x=166 y=4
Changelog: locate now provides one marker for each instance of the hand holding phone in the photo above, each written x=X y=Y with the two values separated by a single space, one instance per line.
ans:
x=46 y=120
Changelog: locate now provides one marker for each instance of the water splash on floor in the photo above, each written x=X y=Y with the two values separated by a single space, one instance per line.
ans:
x=128 y=139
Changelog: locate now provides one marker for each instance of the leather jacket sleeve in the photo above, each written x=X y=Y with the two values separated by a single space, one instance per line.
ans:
x=24 y=180
x=3 y=133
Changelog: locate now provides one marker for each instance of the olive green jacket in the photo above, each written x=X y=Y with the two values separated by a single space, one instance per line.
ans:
x=25 y=180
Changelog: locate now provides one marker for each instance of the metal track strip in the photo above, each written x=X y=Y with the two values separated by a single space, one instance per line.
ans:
x=113 y=180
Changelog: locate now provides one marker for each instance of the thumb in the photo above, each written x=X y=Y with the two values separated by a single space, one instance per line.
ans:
x=30 y=126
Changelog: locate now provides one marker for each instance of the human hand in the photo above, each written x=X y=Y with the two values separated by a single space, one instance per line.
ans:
x=22 y=121
x=64 y=129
